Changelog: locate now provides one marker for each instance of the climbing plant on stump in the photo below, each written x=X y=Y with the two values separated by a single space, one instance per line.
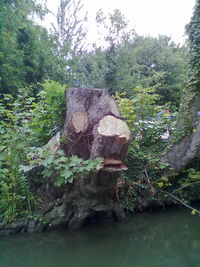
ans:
x=191 y=95
x=186 y=142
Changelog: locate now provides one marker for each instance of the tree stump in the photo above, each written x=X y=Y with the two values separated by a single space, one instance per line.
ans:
x=93 y=128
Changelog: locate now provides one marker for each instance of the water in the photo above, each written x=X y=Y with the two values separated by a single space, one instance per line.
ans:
x=158 y=239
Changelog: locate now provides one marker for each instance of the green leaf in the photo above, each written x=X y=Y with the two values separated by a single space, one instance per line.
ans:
x=160 y=184
x=26 y=168
x=59 y=181
x=194 y=211
x=66 y=173
x=47 y=172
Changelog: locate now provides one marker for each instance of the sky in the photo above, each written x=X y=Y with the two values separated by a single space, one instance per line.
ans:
x=146 y=17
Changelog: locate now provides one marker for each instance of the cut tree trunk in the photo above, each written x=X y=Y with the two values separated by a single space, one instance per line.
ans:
x=182 y=153
x=93 y=128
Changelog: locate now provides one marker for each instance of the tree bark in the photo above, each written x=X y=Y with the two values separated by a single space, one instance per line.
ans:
x=181 y=154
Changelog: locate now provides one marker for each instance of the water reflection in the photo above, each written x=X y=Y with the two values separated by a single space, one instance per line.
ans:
x=159 y=239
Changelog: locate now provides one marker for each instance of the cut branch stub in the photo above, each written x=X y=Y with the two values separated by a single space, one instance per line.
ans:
x=80 y=121
x=111 y=126
x=54 y=143
x=111 y=140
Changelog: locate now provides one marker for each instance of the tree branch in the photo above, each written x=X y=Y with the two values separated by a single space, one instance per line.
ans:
x=149 y=182
x=183 y=203
x=198 y=182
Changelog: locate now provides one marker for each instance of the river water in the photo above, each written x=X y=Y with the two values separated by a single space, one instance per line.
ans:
x=157 y=239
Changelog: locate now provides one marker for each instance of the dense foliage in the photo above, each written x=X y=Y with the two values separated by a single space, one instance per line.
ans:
x=143 y=61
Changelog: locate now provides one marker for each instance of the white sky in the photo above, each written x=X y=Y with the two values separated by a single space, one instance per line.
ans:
x=147 y=17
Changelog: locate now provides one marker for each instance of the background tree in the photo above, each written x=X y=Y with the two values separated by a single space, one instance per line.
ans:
x=116 y=35
x=125 y=60
x=153 y=62
x=70 y=32
x=22 y=57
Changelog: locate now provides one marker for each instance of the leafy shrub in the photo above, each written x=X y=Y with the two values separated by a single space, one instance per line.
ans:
x=49 y=111
x=64 y=169
x=144 y=164
x=16 y=138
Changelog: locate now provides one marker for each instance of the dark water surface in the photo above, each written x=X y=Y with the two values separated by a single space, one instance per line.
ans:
x=167 y=239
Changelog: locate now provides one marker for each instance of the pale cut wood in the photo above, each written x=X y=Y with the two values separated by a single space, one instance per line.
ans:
x=80 y=121
x=111 y=139
x=111 y=126
x=110 y=161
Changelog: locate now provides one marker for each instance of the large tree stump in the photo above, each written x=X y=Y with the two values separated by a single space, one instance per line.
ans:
x=93 y=128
